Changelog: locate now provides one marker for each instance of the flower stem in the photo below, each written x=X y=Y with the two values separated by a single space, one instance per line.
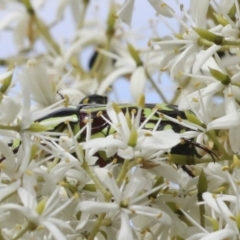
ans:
x=123 y=171
x=96 y=181
x=212 y=136
x=96 y=227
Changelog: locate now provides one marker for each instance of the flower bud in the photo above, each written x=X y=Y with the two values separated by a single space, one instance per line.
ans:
x=211 y=37
x=224 y=79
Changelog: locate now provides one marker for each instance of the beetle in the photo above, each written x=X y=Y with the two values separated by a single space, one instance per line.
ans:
x=95 y=104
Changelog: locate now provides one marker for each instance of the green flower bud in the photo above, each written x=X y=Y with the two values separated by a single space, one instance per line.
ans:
x=41 y=206
x=221 y=20
x=211 y=37
x=224 y=79
x=132 y=142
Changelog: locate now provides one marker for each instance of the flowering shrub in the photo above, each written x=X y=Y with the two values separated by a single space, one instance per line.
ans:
x=105 y=170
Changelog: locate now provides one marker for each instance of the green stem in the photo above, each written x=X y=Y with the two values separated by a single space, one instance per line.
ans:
x=95 y=180
x=96 y=227
x=99 y=222
x=11 y=128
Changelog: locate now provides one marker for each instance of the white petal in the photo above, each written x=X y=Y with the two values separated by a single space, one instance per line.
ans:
x=226 y=122
x=97 y=207
x=125 y=13
x=38 y=82
x=161 y=8
x=20 y=31
x=221 y=208
x=107 y=179
x=58 y=235
x=234 y=139
x=152 y=212
x=7 y=103
x=179 y=64
x=125 y=231
x=101 y=143
x=112 y=77
x=134 y=187
x=203 y=57
x=27 y=199
x=199 y=11
x=220 y=235
x=7 y=153
x=161 y=140
x=7 y=190
x=138 y=83
x=229 y=32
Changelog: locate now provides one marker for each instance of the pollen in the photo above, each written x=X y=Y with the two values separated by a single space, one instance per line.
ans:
x=18 y=227
x=225 y=168
x=133 y=211
x=99 y=114
x=133 y=111
x=75 y=195
x=148 y=134
x=179 y=118
x=232 y=218
x=29 y=172
x=110 y=174
x=41 y=227
x=195 y=100
x=159 y=215
x=163 y=69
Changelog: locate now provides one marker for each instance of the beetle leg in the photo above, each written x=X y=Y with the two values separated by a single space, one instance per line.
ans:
x=211 y=153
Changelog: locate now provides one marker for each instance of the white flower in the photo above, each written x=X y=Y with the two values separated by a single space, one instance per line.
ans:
x=127 y=201
x=42 y=213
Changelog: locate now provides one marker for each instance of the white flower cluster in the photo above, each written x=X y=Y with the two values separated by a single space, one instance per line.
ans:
x=73 y=166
